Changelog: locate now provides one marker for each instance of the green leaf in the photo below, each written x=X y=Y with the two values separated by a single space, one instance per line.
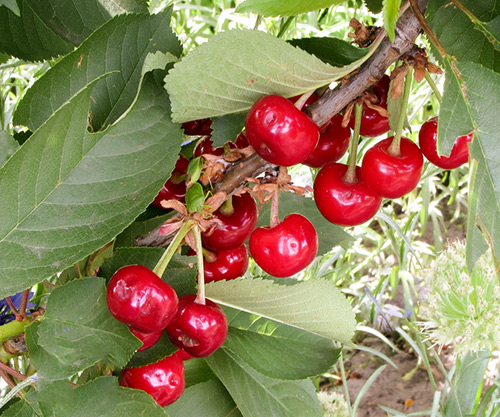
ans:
x=277 y=350
x=27 y=407
x=100 y=397
x=333 y=51
x=126 y=41
x=8 y=146
x=227 y=128
x=74 y=20
x=66 y=192
x=158 y=351
x=259 y=396
x=375 y=6
x=314 y=306
x=390 y=14
x=78 y=330
x=208 y=399
x=146 y=222
x=270 y=8
x=227 y=74
x=483 y=93
x=197 y=371
x=26 y=36
x=329 y=235
x=178 y=274
x=12 y=5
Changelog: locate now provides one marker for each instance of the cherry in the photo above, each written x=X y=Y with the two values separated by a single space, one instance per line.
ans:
x=205 y=146
x=313 y=98
x=342 y=202
x=147 y=339
x=163 y=380
x=238 y=217
x=285 y=249
x=279 y=132
x=373 y=124
x=182 y=355
x=226 y=264
x=198 y=329
x=240 y=142
x=392 y=176
x=427 y=139
x=175 y=187
x=332 y=145
x=138 y=297
x=198 y=127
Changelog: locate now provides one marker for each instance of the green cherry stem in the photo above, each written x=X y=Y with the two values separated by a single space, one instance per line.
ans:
x=162 y=264
x=200 y=295
x=227 y=207
x=350 y=175
x=433 y=85
x=302 y=99
x=284 y=26
x=394 y=149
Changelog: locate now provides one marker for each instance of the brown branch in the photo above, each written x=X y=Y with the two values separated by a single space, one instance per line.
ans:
x=11 y=371
x=333 y=101
x=13 y=308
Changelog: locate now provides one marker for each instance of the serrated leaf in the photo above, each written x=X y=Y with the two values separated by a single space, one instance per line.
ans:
x=178 y=274
x=314 y=306
x=483 y=94
x=259 y=396
x=333 y=51
x=78 y=330
x=390 y=13
x=269 y=8
x=67 y=192
x=227 y=74
x=8 y=146
x=329 y=235
x=375 y=6
x=99 y=397
x=208 y=399
x=227 y=128
x=197 y=371
x=12 y=5
x=26 y=36
x=126 y=41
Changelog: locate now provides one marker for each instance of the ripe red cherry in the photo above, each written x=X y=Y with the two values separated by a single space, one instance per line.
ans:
x=138 y=297
x=205 y=146
x=201 y=127
x=198 y=329
x=279 y=132
x=175 y=187
x=285 y=249
x=427 y=139
x=381 y=87
x=182 y=355
x=147 y=339
x=238 y=218
x=392 y=176
x=332 y=145
x=226 y=264
x=163 y=380
x=342 y=202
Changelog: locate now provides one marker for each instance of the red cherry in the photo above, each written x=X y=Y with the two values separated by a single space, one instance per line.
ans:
x=392 y=176
x=138 y=297
x=313 y=98
x=205 y=147
x=381 y=87
x=279 y=132
x=198 y=329
x=175 y=187
x=198 y=127
x=427 y=139
x=241 y=141
x=332 y=145
x=182 y=355
x=147 y=339
x=342 y=202
x=237 y=222
x=163 y=380
x=285 y=249
x=226 y=264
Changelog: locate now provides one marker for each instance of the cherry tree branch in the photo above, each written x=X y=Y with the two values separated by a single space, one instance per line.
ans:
x=333 y=101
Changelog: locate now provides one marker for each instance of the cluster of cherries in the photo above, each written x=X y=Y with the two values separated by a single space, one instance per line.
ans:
x=139 y=298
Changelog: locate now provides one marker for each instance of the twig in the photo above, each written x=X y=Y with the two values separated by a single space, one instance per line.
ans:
x=13 y=308
x=7 y=379
x=24 y=303
x=13 y=372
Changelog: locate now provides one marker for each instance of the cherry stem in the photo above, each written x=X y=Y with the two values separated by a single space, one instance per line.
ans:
x=394 y=149
x=284 y=26
x=275 y=212
x=6 y=378
x=162 y=264
x=13 y=308
x=24 y=303
x=209 y=256
x=350 y=175
x=433 y=85
x=12 y=372
x=200 y=294
x=302 y=99
x=227 y=207
x=427 y=29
